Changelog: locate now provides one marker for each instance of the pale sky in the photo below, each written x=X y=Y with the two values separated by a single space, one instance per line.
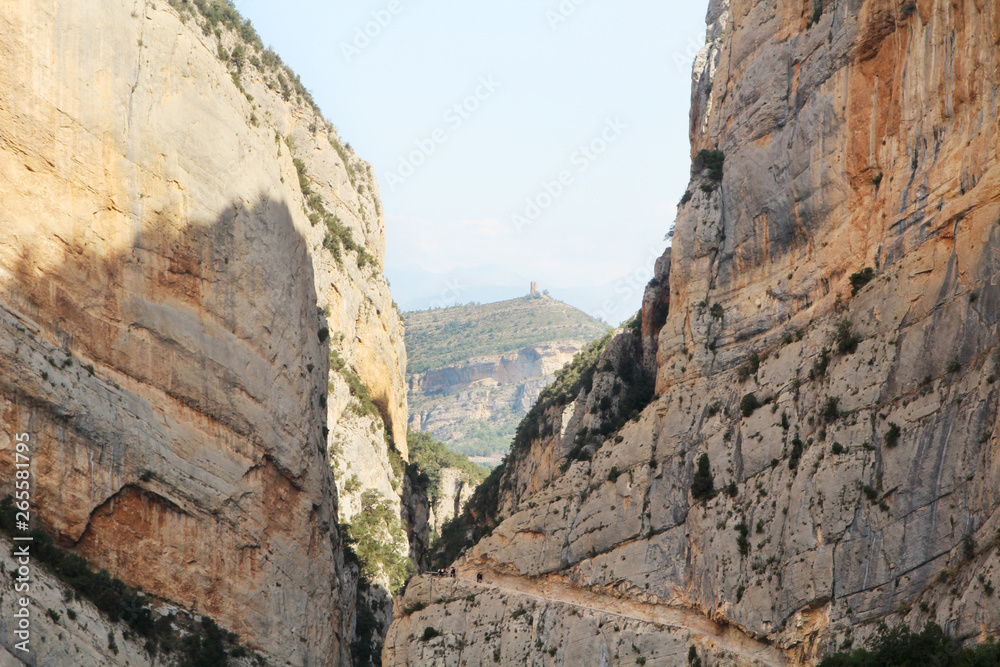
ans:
x=513 y=140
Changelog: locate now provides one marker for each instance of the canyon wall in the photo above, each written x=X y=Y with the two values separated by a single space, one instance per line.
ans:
x=821 y=451
x=191 y=302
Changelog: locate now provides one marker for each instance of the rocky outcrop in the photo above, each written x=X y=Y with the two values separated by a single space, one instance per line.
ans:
x=452 y=403
x=169 y=292
x=456 y=489
x=821 y=452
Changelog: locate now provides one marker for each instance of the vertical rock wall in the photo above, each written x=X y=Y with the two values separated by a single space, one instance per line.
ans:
x=166 y=310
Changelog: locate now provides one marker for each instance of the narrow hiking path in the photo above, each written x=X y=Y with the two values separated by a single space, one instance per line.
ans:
x=558 y=590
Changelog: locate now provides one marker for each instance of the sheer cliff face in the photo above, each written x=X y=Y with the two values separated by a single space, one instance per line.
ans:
x=851 y=136
x=162 y=337
x=860 y=134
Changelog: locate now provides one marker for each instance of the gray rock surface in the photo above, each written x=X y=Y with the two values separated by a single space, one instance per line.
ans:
x=863 y=136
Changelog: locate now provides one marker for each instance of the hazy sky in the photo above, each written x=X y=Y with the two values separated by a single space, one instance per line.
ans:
x=512 y=139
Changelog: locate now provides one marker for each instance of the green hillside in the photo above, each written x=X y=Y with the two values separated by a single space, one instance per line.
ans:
x=439 y=338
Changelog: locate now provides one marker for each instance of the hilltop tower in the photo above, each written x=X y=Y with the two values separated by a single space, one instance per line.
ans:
x=534 y=288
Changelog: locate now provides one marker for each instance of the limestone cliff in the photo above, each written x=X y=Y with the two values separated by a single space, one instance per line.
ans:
x=457 y=403
x=821 y=451
x=190 y=263
x=478 y=368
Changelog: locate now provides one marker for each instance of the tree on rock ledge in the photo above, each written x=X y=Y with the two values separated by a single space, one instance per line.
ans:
x=702 y=486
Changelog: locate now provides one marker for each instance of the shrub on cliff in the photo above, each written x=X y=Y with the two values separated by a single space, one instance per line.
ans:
x=749 y=367
x=831 y=409
x=570 y=379
x=844 y=339
x=892 y=435
x=702 y=484
x=861 y=278
x=380 y=541
x=901 y=647
x=712 y=160
x=796 y=455
x=749 y=404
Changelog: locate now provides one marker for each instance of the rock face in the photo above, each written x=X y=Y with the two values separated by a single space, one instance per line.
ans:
x=848 y=418
x=493 y=392
x=477 y=369
x=167 y=301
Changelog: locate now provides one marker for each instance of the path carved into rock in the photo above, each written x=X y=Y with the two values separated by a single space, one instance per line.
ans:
x=556 y=589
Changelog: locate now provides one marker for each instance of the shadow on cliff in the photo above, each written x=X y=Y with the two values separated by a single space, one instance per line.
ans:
x=179 y=423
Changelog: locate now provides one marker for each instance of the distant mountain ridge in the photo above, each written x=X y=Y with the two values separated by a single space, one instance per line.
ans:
x=475 y=370
x=440 y=338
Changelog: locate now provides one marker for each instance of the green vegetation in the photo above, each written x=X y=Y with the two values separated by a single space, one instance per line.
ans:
x=901 y=647
x=702 y=484
x=577 y=375
x=430 y=457
x=817 y=13
x=127 y=604
x=796 y=455
x=968 y=548
x=640 y=390
x=892 y=435
x=749 y=404
x=861 y=278
x=352 y=485
x=748 y=368
x=359 y=390
x=377 y=538
x=338 y=236
x=831 y=409
x=820 y=365
x=845 y=340
x=443 y=337
x=742 y=541
x=367 y=631
x=215 y=15
x=713 y=160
